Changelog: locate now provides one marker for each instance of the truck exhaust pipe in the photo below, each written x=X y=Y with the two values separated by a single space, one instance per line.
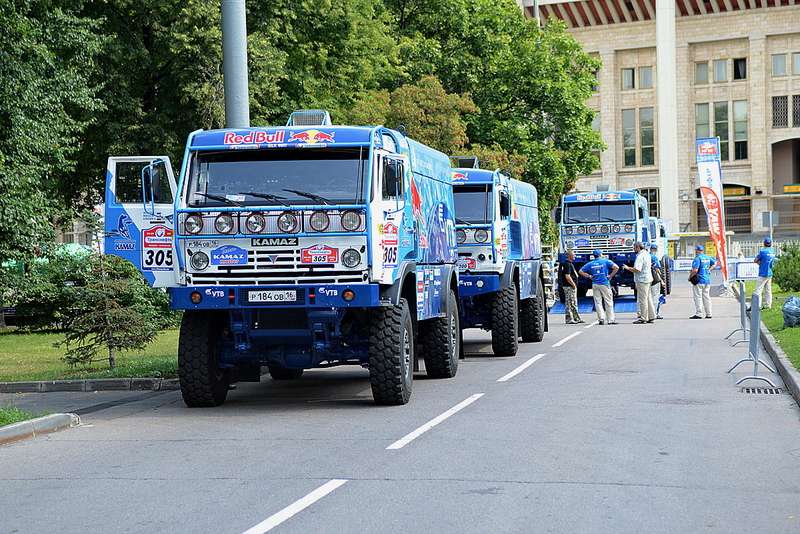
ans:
x=234 y=64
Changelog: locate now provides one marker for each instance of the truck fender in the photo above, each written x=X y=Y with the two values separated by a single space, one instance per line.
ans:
x=393 y=292
x=537 y=273
x=450 y=278
x=508 y=274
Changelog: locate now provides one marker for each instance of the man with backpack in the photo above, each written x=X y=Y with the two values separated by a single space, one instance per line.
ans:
x=700 y=277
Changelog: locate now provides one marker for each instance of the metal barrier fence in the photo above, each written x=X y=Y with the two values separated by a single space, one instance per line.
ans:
x=754 y=339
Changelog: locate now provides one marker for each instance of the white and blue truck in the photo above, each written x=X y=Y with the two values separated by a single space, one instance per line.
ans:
x=293 y=248
x=501 y=275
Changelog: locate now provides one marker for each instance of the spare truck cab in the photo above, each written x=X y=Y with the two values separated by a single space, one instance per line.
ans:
x=296 y=247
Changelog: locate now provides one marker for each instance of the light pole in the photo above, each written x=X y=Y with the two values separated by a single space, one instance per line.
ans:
x=234 y=64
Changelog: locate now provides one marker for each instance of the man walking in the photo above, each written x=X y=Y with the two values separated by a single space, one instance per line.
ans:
x=765 y=259
x=568 y=279
x=658 y=279
x=642 y=277
x=701 y=292
x=601 y=270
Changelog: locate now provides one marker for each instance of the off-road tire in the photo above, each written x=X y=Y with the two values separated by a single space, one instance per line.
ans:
x=532 y=316
x=203 y=383
x=391 y=361
x=505 y=322
x=440 y=341
x=284 y=373
x=667 y=276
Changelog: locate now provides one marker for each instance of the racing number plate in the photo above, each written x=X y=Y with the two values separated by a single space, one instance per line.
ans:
x=282 y=295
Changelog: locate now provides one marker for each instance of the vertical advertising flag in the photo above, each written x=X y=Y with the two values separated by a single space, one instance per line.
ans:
x=709 y=179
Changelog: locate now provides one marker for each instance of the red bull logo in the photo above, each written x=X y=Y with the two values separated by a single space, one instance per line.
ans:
x=310 y=137
x=458 y=176
x=254 y=138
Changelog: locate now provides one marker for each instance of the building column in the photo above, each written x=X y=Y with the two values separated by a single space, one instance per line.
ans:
x=667 y=113
x=608 y=118
x=685 y=135
x=758 y=115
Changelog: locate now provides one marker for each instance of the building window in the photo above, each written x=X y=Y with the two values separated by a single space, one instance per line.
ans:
x=740 y=129
x=628 y=79
x=702 y=126
x=646 y=140
x=720 y=70
x=780 y=111
x=779 y=64
x=721 y=128
x=645 y=77
x=596 y=82
x=796 y=63
x=740 y=68
x=596 y=128
x=796 y=111
x=653 y=206
x=629 y=137
x=737 y=216
x=701 y=73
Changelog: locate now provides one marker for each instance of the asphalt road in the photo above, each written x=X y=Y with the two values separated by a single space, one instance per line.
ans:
x=617 y=429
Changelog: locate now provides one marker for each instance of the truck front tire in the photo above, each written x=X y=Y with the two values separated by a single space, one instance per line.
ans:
x=203 y=383
x=284 y=373
x=391 y=354
x=440 y=341
x=505 y=322
x=532 y=316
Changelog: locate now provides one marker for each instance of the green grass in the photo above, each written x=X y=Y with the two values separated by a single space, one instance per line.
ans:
x=33 y=357
x=788 y=338
x=10 y=415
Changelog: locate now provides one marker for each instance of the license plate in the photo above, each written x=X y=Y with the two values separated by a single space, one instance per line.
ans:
x=282 y=295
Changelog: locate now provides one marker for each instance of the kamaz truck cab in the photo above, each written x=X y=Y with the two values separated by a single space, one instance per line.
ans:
x=293 y=248
x=611 y=221
x=499 y=257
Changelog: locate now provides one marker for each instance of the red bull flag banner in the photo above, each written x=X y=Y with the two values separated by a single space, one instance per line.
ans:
x=709 y=179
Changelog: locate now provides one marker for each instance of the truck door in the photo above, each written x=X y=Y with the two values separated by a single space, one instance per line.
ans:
x=389 y=212
x=139 y=220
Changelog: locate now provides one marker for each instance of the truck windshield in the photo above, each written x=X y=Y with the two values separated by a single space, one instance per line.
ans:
x=282 y=177
x=474 y=203
x=598 y=212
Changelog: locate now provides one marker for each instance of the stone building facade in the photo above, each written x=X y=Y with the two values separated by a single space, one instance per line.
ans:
x=674 y=71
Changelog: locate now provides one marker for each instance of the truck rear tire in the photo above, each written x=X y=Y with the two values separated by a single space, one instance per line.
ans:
x=203 y=383
x=391 y=354
x=532 y=316
x=505 y=322
x=284 y=373
x=667 y=276
x=440 y=341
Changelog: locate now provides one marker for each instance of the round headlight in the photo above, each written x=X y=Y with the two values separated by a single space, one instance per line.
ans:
x=570 y=244
x=223 y=224
x=461 y=236
x=481 y=235
x=199 y=261
x=629 y=242
x=615 y=228
x=629 y=228
x=319 y=221
x=581 y=230
x=592 y=229
x=351 y=221
x=570 y=230
x=193 y=224
x=287 y=222
x=351 y=258
x=604 y=229
x=255 y=223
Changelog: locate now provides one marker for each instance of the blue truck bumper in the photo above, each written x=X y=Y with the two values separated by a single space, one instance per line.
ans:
x=472 y=285
x=246 y=297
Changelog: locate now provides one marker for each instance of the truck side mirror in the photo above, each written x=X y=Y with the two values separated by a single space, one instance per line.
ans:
x=149 y=188
x=505 y=205
x=392 y=178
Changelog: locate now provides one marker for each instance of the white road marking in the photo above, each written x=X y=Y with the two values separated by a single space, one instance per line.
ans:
x=521 y=368
x=408 y=438
x=590 y=325
x=298 y=506
x=567 y=338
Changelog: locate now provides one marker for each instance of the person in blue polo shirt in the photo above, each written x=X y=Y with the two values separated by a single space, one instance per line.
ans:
x=765 y=259
x=601 y=270
x=701 y=292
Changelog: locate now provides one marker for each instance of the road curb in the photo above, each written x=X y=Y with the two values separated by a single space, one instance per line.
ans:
x=91 y=385
x=41 y=425
x=789 y=375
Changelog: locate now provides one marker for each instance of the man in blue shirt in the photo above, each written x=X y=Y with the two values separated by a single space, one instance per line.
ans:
x=701 y=292
x=765 y=259
x=601 y=270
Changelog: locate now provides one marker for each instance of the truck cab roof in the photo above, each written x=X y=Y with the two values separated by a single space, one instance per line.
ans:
x=463 y=176
x=604 y=196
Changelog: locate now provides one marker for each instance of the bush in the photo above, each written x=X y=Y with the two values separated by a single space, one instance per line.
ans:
x=786 y=271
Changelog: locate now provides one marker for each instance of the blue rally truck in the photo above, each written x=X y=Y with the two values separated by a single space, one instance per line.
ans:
x=611 y=221
x=499 y=257
x=296 y=248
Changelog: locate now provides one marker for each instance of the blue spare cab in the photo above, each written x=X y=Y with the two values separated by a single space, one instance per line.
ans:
x=499 y=257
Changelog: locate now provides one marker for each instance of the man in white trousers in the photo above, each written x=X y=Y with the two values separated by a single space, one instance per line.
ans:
x=765 y=259
x=642 y=277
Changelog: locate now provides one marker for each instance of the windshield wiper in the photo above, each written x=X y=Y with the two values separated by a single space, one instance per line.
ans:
x=462 y=221
x=218 y=198
x=574 y=220
x=609 y=219
x=306 y=194
x=267 y=196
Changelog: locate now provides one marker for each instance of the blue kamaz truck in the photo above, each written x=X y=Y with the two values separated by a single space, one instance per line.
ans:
x=499 y=257
x=295 y=248
x=611 y=221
